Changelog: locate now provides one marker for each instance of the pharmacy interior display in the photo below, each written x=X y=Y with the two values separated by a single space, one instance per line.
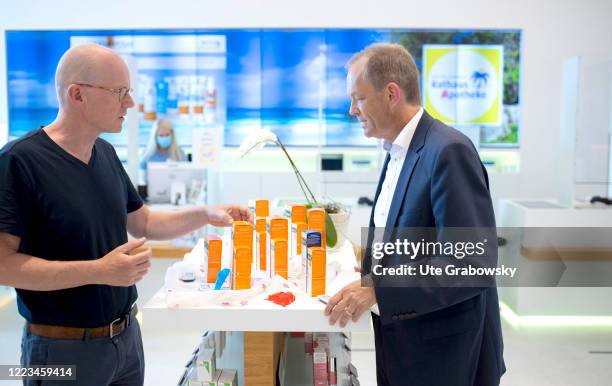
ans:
x=290 y=80
x=254 y=283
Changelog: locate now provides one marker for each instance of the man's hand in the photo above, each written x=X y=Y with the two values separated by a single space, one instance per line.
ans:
x=118 y=268
x=350 y=303
x=225 y=215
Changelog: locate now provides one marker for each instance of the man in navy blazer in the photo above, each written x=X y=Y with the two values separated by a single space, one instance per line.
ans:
x=432 y=178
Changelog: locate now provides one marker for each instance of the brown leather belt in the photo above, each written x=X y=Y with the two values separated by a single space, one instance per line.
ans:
x=116 y=327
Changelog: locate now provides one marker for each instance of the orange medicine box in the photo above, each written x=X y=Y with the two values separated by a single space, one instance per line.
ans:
x=259 y=208
x=241 y=283
x=317 y=264
x=296 y=212
x=242 y=267
x=214 y=249
x=297 y=215
x=316 y=222
x=279 y=257
x=260 y=243
x=297 y=229
x=310 y=239
x=277 y=227
x=242 y=236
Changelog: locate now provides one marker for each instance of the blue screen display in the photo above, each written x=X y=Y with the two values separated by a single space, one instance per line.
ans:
x=291 y=80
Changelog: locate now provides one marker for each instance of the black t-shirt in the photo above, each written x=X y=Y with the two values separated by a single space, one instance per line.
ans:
x=64 y=209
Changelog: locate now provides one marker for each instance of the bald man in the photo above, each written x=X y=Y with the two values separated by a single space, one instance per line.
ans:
x=66 y=206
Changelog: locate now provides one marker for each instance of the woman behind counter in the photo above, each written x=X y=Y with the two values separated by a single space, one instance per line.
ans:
x=162 y=146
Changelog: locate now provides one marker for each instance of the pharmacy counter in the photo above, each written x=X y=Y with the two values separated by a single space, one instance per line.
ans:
x=256 y=340
x=305 y=314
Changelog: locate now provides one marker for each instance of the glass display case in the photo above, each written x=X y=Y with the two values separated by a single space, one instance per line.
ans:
x=584 y=163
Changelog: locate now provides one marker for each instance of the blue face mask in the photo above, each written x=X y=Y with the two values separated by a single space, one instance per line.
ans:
x=164 y=142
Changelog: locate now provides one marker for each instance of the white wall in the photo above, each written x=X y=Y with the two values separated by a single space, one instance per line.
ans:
x=552 y=31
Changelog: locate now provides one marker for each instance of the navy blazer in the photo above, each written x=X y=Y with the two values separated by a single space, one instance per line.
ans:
x=439 y=336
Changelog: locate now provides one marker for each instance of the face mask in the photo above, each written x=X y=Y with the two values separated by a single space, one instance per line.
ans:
x=164 y=142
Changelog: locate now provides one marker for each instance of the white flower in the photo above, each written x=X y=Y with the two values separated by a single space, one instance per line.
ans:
x=256 y=140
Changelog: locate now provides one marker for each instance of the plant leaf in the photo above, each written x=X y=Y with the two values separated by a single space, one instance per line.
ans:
x=330 y=231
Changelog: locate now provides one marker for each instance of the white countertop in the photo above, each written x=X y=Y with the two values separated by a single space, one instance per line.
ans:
x=305 y=314
x=191 y=309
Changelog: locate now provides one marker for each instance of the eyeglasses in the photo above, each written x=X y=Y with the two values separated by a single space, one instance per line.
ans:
x=122 y=92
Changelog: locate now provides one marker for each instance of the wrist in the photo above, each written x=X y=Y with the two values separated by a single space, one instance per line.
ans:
x=204 y=215
x=96 y=272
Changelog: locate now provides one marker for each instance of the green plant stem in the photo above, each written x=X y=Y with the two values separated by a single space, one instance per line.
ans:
x=301 y=180
x=329 y=224
x=298 y=175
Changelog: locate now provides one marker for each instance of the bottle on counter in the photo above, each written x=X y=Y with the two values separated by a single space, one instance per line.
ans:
x=172 y=99
x=332 y=375
x=211 y=100
x=183 y=96
x=161 y=88
x=150 y=100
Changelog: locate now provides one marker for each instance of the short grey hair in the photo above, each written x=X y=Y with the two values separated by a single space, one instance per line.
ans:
x=387 y=62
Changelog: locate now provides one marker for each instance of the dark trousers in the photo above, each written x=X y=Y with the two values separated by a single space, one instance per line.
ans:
x=381 y=373
x=450 y=347
x=99 y=361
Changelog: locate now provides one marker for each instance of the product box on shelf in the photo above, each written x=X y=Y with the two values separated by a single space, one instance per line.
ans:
x=214 y=249
x=332 y=368
x=308 y=343
x=279 y=260
x=215 y=379
x=277 y=227
x=316 y=222
x=242 y=237
x=259 y=208
x=193 y=379
x=205 y=364
x=242 y=234
x=320 y=341
x=296 y=213
x=242 y=268
x=228 y=377
x=319 y=364
x=261 y=212
x=316 y=271
x=310 y=239
x=261 y=243
x=297 y=230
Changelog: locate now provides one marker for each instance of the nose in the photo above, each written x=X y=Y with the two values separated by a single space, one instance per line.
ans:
x=353 y=110
x=128 y=101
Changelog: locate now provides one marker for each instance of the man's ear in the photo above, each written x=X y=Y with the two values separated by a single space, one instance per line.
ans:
x=394 y=93
x=75 y=94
